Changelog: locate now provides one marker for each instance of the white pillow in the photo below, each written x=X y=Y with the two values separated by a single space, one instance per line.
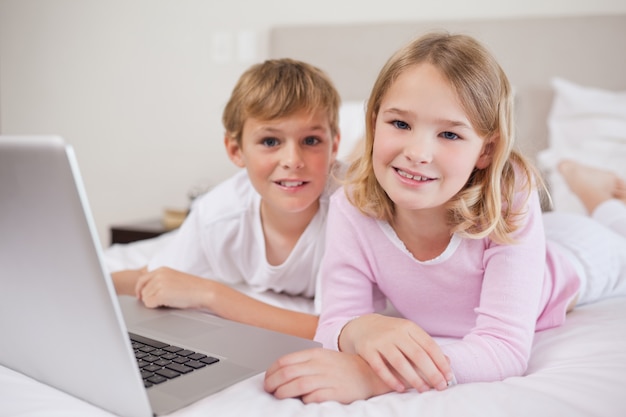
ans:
x=352 y=127
x=587 y=125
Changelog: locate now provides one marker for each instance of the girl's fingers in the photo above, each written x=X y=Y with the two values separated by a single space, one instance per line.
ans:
x=431 y=361
x=384 y=372
x=426 y=372
x=407 y=371
x=410 y=364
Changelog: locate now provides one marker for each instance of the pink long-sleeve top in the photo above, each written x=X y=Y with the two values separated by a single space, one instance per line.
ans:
x=491 y=298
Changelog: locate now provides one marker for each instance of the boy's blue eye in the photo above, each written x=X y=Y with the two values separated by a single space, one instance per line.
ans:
x=311 y=140
x=270 y=142
x=400 y=124
x=450 y=135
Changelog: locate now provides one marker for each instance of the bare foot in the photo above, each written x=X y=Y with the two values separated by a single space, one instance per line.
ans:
x=593 y=186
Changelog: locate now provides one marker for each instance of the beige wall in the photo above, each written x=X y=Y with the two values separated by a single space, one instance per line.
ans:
x=137 y=86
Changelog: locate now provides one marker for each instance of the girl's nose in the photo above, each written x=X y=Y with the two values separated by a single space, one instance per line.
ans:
x=419 y=149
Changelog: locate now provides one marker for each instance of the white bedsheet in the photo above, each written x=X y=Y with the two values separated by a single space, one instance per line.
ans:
x=578 y=369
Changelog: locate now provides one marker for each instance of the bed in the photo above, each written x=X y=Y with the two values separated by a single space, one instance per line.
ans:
x=569 y=77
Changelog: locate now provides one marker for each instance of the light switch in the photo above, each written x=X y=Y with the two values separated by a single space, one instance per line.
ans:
x=246 y=46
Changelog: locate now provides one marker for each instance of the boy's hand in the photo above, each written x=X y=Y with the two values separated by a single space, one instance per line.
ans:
x=166 y=287
x=317 y=375
x=400 y=352
x=125 y=281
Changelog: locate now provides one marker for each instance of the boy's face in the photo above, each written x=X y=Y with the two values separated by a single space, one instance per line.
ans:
x=288 y=160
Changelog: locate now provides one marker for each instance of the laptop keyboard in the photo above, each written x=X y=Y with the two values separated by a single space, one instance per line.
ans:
x=160 y=362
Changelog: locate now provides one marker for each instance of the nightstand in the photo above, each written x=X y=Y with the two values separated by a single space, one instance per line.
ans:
x=131 y=232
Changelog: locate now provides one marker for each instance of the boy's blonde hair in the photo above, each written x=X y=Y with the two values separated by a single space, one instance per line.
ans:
x=278 y=88
x=485 y=204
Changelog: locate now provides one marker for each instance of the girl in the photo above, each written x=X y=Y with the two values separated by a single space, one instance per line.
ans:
x=442 y=216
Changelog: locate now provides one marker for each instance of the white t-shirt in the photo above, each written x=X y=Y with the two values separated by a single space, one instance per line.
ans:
x=222 y=239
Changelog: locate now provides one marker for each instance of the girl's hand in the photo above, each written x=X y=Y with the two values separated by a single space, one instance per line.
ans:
x=166 y=287
x=400 y=352
x=317 y=375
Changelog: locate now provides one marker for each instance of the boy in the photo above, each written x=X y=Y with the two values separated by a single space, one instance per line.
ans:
x=263 y=229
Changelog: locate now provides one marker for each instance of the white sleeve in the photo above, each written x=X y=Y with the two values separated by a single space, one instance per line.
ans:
x=185 y=251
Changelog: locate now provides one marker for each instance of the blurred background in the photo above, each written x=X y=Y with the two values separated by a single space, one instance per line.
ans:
x=138 y=86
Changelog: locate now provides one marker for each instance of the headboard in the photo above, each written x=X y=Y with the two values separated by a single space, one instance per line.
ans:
x=588 y=50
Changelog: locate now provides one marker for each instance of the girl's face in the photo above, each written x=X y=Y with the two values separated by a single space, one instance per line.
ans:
x=425 y=147
x=288 y=160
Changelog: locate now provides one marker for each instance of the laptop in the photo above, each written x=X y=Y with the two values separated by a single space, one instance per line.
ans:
x=61 y=321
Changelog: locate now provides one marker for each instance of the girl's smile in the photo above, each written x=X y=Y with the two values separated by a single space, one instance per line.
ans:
x=413 y=176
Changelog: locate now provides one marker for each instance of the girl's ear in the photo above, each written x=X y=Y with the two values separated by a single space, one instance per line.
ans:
x=486 y=156
x=234 y=151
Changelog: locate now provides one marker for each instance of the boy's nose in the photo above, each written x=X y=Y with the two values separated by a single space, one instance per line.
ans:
x=292 y=157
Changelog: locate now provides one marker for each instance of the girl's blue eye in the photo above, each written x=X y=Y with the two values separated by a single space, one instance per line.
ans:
x=270 y=142
x=450 y=135
x=400 y=124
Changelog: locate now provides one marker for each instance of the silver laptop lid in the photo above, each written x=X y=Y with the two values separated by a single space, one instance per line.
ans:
x=58 y=307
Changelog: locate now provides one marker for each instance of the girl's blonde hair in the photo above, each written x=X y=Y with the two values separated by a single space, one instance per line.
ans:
x=278 y=88
x=485 y=204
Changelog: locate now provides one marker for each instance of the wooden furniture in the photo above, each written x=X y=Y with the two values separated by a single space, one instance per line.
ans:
x=131 y=232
